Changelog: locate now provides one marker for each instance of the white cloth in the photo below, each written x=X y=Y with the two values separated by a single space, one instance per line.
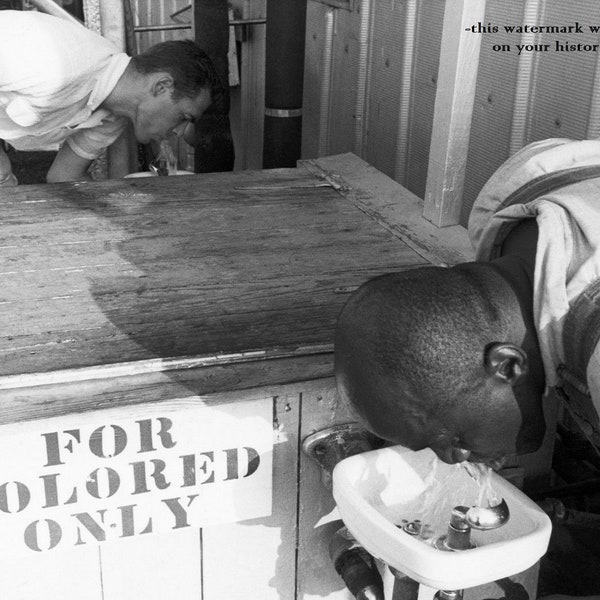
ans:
x=54 y=75
x=568 y=249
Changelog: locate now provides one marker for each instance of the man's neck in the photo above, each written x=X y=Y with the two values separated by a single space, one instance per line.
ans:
x=516 y=266
x=123 y=98
x=517 y=261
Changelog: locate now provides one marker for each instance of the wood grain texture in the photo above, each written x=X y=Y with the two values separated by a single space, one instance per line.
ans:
x=317 y=577
x=127 y=270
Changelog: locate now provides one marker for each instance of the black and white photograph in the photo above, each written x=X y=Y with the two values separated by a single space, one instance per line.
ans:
x=299 y=300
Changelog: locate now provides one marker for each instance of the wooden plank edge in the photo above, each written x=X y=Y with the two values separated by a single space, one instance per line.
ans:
x=392 y=206
x=208 y=385
x=154 y=365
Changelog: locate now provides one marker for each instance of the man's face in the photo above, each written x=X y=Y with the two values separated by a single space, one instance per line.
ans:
x=493 y=421
x=488 y=423
x=159 y=115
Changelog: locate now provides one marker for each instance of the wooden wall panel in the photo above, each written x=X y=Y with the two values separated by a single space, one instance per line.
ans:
x=385 y=72
x=317 y=577
x=564 y=80
x=425 y=73
x=248 y=98
x=343 y=81
x=313 y=75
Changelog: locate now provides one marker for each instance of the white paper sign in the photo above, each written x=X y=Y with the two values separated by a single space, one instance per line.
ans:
x=95 y=477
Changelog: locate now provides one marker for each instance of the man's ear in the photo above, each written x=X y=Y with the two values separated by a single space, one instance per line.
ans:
x=162 y=83
x=506 y=362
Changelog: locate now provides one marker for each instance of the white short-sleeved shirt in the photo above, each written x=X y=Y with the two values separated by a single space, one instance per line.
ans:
x=568 y=248
x=54 y=75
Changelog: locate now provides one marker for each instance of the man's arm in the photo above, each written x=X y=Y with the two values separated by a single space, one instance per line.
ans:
x=68 y=166
x=7 y=179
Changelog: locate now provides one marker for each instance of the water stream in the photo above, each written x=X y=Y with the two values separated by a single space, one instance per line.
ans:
x=464 y=484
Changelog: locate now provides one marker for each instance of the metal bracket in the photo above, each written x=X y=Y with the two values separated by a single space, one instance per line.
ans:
x=328 y=447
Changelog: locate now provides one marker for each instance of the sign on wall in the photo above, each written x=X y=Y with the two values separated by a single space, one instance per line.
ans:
x=90 y=478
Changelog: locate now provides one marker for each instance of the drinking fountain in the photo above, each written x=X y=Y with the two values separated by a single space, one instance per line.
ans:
x=445 y=526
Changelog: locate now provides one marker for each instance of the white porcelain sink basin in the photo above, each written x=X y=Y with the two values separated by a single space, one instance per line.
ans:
x=379 y=490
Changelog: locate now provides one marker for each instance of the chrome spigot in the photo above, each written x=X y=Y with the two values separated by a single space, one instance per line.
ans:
x=463 y=519
x=488 y=517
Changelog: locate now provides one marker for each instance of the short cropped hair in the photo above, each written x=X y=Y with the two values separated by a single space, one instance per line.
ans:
x=423 y=329
x=191 y=68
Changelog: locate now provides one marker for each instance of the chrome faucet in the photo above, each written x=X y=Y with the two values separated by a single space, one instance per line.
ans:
x=463 y=519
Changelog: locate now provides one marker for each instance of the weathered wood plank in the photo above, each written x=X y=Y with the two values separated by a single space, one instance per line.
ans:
x=130 y=270
x=317 y=577
x=92 y=393
x=395 y=208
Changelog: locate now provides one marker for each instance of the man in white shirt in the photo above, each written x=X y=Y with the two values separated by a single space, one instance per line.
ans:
x=62 y=87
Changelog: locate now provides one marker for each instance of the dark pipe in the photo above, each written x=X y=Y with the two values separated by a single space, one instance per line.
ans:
x=284 y=82
x=356 y=566
x=213 y=150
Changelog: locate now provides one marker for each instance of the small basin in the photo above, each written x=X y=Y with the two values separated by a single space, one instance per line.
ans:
x=379 y=492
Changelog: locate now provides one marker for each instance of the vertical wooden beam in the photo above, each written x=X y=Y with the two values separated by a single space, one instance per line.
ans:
x=457 y=78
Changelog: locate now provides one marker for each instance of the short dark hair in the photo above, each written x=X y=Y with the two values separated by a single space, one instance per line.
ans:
x=191 y=68
x=424 y=328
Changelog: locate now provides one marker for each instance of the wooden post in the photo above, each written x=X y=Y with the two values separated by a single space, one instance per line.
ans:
x=214 y=144
x=457 y=78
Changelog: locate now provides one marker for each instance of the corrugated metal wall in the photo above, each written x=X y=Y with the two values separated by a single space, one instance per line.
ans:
x=557 y=97
x=385 y=83
x=384 y=73
x=518 y=99
x=561 y=100
x=428 y=36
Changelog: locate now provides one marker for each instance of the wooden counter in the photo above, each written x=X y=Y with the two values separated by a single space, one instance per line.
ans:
x=125 y=298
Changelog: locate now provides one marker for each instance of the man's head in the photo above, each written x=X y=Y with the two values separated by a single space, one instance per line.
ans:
x=436 y=357
x=176 y=81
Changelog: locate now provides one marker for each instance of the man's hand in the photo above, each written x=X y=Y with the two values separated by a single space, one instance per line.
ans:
x=68 y=166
